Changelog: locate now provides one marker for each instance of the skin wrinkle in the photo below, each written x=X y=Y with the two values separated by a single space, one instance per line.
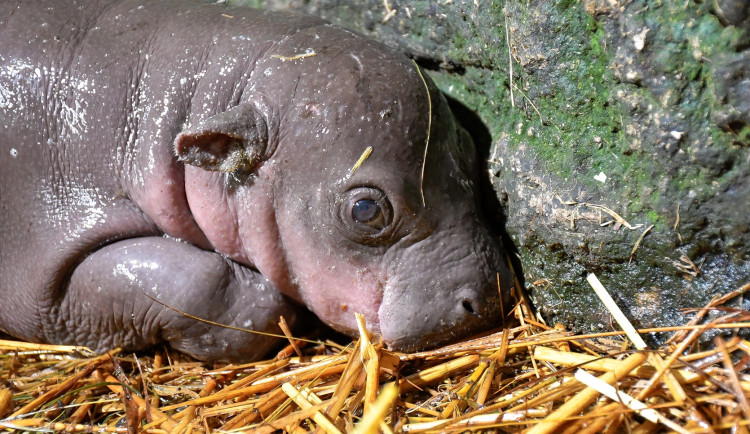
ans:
x=51 y=300
x=131 y=149
x=277 y=183
x=143 y=319
x=159 y=323
x=145 y=322
x=196 y=80
x=155 y=325
x=240 y=84
x=237 y=227
x=126 y=168
x=229 y=277
x=418 y=249
x=143 y=68
x=227 y=197
x=56 y=147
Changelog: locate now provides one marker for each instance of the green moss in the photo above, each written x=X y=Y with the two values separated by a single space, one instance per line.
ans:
x=577 y=110
x=575 y=127
x=743 y=137
x=597 y=34
x=655 y=219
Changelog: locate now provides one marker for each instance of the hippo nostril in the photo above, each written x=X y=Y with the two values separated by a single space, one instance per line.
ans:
x=468 y=306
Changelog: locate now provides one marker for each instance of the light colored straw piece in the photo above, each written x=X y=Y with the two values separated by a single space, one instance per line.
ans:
x=371 y=360
x=377 y=411
x=476 y=422
x=435 y=373
x=674 y=387
x=621 y=319
x=345 y=384
x=359 y=162
x=5 y=401
x=639 y=407
x=595 y=363
x=304 y=404
x=577 y=403
x=7 y=345
x=485 y=383
x=274 y=426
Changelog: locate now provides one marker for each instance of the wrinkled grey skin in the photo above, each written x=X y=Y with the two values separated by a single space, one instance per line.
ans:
x=177 y=151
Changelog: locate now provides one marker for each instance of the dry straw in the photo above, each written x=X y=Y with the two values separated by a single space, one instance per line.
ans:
x=529 y=377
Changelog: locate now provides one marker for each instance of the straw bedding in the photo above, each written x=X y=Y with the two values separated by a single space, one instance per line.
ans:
x=527 y=376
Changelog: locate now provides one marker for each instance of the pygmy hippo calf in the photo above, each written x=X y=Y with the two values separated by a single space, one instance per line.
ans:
x=203 y=157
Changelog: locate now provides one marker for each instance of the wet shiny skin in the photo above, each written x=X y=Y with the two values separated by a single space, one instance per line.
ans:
x=200 y=155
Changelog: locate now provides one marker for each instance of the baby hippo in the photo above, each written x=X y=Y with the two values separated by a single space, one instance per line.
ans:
x=213 y=159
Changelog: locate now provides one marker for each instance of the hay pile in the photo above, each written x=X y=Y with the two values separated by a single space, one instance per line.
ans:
x=530 y=376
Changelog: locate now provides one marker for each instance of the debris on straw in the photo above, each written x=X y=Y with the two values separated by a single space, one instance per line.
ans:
x=525 y=377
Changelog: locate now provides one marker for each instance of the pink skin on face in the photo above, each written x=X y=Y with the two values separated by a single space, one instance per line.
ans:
x=345 y=288
x=254 y=225
x=241 y=225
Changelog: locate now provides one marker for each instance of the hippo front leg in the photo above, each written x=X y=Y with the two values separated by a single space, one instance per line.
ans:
x=106 y=303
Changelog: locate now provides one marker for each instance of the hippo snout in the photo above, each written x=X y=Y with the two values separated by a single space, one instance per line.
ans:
x=413 y=320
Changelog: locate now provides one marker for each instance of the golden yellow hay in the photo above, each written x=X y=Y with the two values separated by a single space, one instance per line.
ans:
x=527 y=377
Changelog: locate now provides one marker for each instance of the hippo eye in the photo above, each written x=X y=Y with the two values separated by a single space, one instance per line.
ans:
x=367 y=213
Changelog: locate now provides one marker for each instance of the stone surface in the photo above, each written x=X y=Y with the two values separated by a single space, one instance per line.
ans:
x=612 y=125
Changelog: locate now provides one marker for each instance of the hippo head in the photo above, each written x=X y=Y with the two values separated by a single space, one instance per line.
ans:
x=343 y=178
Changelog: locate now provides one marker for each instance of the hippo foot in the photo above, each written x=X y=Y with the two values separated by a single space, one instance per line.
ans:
x=121 y=295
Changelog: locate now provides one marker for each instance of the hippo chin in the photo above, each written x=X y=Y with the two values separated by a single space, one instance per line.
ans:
x=204 y=157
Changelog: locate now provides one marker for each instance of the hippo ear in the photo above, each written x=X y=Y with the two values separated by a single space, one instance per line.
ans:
x=233 y=141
